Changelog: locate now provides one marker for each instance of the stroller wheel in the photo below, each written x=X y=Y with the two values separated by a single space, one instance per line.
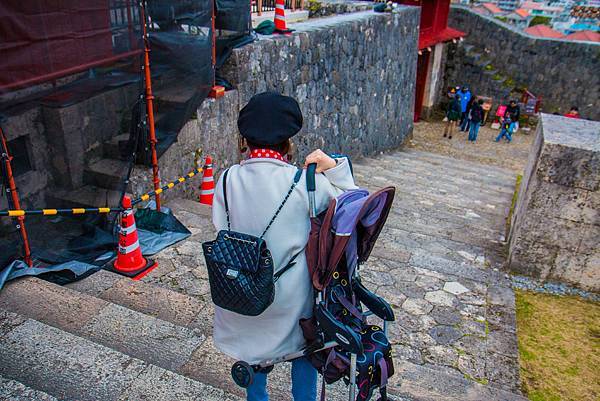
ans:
x=242 y=374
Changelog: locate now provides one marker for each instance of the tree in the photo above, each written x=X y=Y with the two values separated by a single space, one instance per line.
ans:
x=540 y=20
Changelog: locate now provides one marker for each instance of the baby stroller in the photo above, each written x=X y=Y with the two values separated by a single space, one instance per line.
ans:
x=340 y=342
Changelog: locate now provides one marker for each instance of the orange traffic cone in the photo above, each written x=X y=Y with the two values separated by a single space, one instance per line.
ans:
x=130 y=261
x=207 y=188
x=280 y=25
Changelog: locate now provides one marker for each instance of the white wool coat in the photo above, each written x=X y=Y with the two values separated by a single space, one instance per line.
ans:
x=255 y=189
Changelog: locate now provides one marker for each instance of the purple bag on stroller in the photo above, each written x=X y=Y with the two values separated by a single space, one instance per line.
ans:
x=341 y=239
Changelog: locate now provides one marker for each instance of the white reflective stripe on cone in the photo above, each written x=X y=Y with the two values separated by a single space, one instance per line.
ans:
x=127 y=230
x=127 y=249
x=127 y=212
x=208 y=179
x=280 y=6
x=207 y=192
x=280 y=17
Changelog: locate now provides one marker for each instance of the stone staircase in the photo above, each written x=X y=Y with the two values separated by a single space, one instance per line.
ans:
x=110 y=338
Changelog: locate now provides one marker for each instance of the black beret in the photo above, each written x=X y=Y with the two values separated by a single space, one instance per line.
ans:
x=270 y=118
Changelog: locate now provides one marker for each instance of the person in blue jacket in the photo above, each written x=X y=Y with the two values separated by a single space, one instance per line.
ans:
x=464 y=96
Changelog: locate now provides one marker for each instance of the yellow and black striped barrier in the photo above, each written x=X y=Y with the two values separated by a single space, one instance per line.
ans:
x=100 y=210
x=170 y=185
x=54 y=212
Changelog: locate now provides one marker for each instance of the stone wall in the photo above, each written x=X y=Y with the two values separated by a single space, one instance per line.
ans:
x=353 y=75
x=555 y=230
x=564 y=73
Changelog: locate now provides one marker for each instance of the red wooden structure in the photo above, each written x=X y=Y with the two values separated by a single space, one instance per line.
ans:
x=433 y=29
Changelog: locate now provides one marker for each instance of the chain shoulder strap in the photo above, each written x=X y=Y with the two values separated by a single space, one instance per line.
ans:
x=225 y=199
x=287 y=196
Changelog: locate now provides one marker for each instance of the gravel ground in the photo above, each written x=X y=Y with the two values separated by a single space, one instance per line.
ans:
x=427 y=136
x=526 y=283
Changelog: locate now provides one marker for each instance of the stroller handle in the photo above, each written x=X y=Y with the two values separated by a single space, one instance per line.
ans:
x=311 y=187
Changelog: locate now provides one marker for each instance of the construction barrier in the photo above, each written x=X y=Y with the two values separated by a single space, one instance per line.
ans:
x=54 y=212
x=100 y=210
x=170 y=185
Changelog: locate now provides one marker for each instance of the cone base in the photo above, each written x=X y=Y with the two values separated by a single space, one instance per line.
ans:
x=283 y=31
x=135 y=274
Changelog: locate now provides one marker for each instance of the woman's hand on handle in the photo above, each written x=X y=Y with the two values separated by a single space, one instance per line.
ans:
x=323 y=161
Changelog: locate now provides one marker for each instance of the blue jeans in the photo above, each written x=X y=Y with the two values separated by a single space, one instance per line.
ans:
x=473 y=131
x=304 y=383
x=465 y=123
x=506 y=132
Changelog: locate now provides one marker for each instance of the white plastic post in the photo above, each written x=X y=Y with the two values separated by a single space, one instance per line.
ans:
x=352 y=392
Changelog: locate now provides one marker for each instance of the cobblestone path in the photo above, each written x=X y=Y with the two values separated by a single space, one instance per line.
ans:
x=111 y=338
x=436 y=261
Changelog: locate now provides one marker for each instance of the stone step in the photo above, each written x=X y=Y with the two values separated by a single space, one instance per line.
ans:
x=106 y=173
x=12 y=390
x=159 y=302
x=67 y=366
x=450 y=200
x=395 y=241
x=446 y=230
x=381 y=176
x=425 y=209
x=86 y=196
x=421 y=383
x=133 y=333
x=401 y=167
x=115 y=148
x=433 y=158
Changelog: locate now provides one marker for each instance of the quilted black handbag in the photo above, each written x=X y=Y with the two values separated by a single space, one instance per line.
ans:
x=240 y=266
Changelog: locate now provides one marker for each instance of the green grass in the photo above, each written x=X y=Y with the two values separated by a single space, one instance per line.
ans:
x=559 y=347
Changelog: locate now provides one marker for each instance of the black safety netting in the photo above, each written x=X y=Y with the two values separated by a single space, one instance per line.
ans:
x=181 y=39
x=73 y=114
x=233 y=28
x=73 y=111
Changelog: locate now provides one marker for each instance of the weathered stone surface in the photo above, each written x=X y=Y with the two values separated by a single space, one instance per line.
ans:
x=61 y=307
x=151 y=300
x=154 y=340
x=11 y=390
x=422 y=383
x=161 y=385
x=444 y=334
x=65 y=365
x=441 y=298
x=456 y=288
x=417 y=306
x=563 y=174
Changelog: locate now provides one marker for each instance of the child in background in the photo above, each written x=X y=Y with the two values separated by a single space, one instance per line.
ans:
x=506 y=128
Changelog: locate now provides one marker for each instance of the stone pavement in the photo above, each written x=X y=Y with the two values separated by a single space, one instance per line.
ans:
x=427 y=136
x=111 y=338
x=436 y=262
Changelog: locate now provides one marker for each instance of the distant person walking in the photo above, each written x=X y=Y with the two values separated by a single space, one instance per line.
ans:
x=573 y=113
x=476 y=117
x=466 y=123
x=464 y=96
x=452 y=114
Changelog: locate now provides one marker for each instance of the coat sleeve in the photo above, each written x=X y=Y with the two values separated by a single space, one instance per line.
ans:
x=332 y=183
x=219 y=216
